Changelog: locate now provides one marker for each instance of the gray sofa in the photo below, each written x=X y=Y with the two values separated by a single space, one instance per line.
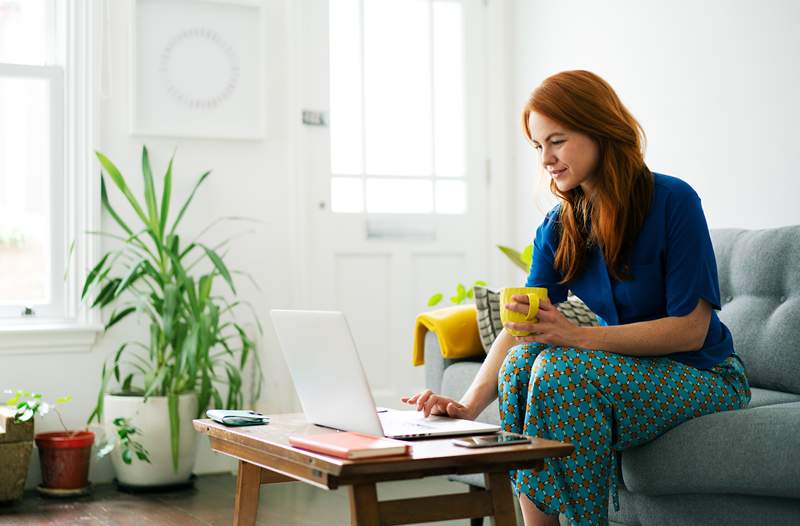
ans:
x=736 y=467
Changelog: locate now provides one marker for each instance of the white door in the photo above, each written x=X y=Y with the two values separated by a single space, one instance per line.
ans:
x=395 y=160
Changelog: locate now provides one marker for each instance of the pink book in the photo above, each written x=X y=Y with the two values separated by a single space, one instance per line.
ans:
x=350 y=445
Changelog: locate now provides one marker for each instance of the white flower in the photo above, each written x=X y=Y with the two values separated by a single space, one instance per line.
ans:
x=27 y=415
x=44 y=408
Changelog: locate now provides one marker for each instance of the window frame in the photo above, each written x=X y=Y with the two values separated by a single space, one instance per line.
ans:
x=433 y=177
x=76 y=328
x=54 y=75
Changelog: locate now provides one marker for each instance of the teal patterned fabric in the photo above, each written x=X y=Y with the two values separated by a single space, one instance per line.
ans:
x=601 y=403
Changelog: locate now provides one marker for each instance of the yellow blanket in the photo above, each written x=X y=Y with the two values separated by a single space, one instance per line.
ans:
x=456 y=328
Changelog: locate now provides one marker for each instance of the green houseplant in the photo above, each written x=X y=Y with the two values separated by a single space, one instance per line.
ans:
x=520 y=259
x=196 y=347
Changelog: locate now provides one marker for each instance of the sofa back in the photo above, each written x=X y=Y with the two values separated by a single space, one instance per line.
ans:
x=759 y=278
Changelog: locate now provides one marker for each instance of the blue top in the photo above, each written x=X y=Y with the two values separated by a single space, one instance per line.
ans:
x=673 y=266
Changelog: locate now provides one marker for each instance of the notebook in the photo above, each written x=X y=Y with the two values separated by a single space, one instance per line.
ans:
x=350 y=445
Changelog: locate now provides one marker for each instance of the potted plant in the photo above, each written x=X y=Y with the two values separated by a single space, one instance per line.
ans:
x=63 y=455
x=195 y=349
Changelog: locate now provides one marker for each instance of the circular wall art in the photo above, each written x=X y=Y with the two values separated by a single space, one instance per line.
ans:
x=197 y=68
x=218 y=78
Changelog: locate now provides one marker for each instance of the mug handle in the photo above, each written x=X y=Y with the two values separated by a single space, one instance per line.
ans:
x=533 y=308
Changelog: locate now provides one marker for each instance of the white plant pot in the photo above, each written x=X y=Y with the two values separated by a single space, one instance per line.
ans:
x=152 y=419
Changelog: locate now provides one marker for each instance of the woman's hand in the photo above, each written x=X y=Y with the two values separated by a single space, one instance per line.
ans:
x=433 y=404
x=552 y=327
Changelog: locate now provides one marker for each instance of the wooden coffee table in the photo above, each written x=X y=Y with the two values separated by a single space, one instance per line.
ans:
x=265 y=457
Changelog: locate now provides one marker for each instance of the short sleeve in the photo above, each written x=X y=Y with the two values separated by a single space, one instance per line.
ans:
x=690 y=266
x=543 y=272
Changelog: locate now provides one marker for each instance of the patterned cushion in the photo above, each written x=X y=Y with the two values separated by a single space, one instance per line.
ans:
x=487 y=302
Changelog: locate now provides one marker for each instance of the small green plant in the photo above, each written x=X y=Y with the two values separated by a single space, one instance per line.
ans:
x=28 y=405
x=125 y=432
x=520 y=259
x=462 y=294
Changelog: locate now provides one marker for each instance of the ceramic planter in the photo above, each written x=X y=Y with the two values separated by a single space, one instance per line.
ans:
x=152 y=419
x=64 y=458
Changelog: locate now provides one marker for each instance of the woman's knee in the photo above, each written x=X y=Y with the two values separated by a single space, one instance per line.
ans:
x=519 y=359
x=560 y=364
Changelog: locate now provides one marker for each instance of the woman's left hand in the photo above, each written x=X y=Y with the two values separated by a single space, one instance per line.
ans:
x=553 y=328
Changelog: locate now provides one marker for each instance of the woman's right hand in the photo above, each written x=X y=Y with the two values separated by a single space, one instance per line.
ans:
x=433 y=404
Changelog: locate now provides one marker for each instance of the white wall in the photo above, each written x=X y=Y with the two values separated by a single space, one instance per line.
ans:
x=249 y=178
x=713 y=83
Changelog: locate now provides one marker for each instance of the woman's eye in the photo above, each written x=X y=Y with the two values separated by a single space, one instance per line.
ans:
x=557 y=142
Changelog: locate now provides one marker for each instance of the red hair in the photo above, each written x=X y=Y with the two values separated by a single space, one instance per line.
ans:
x=623 y=185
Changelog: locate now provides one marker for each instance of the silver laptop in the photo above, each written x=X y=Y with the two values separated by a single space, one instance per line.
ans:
x=333 y=388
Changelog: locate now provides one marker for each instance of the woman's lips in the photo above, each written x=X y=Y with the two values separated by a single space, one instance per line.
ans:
x=557 y=173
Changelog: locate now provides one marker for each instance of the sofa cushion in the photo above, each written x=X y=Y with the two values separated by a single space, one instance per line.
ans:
x=766 y=397
x=747 y=452
x=760 y=292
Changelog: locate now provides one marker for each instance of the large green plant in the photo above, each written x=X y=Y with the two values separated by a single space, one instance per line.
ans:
x=195 y=343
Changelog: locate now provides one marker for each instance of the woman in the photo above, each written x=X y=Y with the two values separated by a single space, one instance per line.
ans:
x=635 y=247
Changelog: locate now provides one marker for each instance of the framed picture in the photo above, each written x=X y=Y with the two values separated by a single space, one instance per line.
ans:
x=197 y=68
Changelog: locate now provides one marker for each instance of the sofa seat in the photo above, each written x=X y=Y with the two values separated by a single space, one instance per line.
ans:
x=741 y=452
x=763 y=397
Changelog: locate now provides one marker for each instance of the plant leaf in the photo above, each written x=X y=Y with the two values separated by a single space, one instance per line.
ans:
x=126 y=456
x=107 y=205
x=150 y=191
x=166 y=195
x=188 y=201
x=515 y=257
x=115 y=175
x=116 y=317
x=435 y=299
x=174 y=428
x=98 y=409
x=220 y=266
x=527 y=256
x=93 y=274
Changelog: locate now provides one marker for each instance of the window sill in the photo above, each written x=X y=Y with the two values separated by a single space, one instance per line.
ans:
x=46 y=338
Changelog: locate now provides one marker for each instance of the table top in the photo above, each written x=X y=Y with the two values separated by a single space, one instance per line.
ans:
x=268 y=445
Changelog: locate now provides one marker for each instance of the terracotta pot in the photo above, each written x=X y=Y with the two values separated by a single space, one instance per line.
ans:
x=64 y=458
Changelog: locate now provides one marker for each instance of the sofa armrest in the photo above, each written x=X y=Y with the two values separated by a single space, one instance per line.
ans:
x=435 y=364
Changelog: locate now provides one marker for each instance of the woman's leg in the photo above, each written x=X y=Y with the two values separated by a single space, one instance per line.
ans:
x=600 y=402
x=533 y=516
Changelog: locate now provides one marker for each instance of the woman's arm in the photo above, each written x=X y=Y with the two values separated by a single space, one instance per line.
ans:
x=483 y=389
x=648 y=338
x=651 y=338
x=480 y=394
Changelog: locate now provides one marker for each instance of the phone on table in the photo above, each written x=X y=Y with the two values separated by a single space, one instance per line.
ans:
x=505 y=439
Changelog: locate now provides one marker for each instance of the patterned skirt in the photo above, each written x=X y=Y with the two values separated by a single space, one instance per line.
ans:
x=602 y=403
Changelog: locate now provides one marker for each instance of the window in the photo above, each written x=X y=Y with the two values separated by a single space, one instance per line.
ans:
x=46 y=193
x=31 y=133
x=397 y=107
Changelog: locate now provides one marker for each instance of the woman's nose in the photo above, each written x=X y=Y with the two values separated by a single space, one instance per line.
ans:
x=547 y=157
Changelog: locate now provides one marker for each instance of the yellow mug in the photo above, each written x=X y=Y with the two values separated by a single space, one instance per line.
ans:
x=506 y=296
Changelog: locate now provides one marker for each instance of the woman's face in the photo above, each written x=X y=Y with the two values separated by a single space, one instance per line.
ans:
x=569 y=157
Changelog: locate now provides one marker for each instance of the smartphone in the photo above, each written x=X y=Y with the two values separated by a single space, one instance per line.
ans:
x=492 y=440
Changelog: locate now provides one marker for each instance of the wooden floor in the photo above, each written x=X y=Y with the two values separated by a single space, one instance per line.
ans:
x=210 y=503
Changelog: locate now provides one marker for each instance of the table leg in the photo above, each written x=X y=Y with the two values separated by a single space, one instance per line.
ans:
x=364 y=505
x=248 y=483
x=502 y=498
